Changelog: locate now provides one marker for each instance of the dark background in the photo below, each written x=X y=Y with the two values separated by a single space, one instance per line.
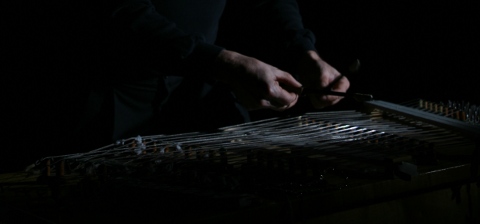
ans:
x=407 y=51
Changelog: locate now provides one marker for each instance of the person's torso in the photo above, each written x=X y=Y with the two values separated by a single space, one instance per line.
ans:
x=193 y=16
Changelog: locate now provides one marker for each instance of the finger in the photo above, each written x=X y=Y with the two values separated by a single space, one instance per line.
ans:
x=251 y=102
x=324 y=100
x=266 y=104
x=342 y=85
x=280 y=97
x=284 y=91
x=331 y=100
x=288 y=81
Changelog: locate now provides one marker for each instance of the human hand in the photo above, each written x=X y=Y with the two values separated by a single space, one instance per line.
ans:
x=315 y=73
x=257 y=85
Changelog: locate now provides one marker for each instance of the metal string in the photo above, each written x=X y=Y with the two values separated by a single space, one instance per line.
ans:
x=316 y=133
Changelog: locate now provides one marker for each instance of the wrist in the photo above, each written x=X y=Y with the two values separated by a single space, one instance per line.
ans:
x=228 y=64
x=307 y=66
x=311 y=55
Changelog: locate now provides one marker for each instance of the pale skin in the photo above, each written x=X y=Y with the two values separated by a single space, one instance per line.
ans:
x=258 y=85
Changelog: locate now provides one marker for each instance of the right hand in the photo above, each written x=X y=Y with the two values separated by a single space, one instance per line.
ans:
x=256 y=84
x=315 y=73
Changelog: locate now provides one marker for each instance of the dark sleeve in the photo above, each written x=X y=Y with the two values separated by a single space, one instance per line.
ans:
x=135 y=36
x=271 y=30
x=285 y=22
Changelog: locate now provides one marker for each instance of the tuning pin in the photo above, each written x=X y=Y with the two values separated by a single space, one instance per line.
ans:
x=463 y=116
x=477 y=114
x=48 y=168
x=468 y=114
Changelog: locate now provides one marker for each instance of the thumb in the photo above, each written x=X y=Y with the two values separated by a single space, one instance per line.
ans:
x=287 y=91
x=289 y=83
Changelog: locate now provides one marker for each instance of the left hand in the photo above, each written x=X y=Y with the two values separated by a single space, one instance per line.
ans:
x=316 y=73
